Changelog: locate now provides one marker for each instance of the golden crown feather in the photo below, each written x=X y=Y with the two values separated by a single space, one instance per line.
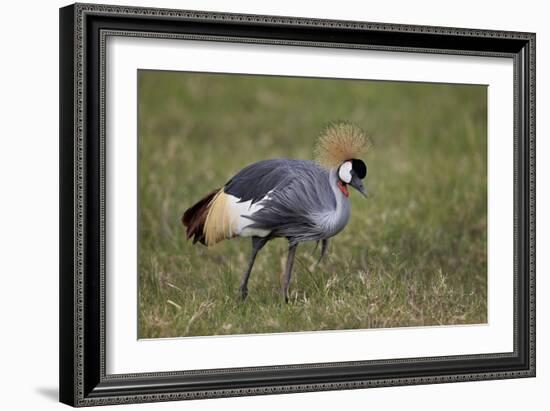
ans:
x=340 y=141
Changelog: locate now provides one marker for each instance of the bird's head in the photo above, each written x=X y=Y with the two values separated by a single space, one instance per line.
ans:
x=352 y=172
x=338 y=148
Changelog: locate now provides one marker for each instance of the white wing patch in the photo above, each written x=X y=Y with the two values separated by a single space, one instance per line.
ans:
x=239 y=212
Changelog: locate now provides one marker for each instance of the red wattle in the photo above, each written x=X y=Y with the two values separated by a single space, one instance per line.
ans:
x=343 y=188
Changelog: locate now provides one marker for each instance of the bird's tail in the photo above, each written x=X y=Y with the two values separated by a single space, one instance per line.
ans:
x=210 y=220
x=194 y=218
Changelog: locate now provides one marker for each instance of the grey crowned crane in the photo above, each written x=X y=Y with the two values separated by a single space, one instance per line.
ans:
x=299 y=200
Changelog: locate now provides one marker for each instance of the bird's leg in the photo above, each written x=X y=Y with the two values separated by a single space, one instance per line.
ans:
x=315 y=249
x=257 y=244
x=288 y=270
x=324 y=247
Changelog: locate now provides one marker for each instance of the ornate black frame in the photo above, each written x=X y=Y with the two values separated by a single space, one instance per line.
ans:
x=83 y=30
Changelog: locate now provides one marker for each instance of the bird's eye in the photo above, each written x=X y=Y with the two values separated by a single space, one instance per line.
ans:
x=359 y=167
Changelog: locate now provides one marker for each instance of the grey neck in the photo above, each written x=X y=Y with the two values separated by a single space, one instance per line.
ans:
x=340 y=197
x=339 y=217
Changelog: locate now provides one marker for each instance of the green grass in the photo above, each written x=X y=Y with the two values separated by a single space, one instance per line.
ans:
x=414 y=253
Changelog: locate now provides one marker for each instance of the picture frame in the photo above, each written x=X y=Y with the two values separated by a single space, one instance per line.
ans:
x=84 y=82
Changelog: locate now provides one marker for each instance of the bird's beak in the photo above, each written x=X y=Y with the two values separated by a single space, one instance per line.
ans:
x=358 y=185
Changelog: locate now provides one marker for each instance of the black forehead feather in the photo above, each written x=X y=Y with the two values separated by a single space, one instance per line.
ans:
x=359 y=167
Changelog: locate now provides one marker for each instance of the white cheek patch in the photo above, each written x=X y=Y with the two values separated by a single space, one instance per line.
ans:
x=345 y=172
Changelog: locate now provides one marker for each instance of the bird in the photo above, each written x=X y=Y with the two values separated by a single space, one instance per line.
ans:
x=300 y=200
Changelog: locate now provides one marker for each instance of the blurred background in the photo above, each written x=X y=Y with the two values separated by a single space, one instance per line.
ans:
x=413 y=254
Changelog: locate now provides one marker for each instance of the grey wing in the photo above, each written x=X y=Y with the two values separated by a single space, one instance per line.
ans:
x=293 y=210
x=253 y=182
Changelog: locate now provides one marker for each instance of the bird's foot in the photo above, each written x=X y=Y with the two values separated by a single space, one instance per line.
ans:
x=285 y=296
x=244 y=292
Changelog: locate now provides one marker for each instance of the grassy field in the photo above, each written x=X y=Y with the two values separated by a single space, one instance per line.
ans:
x=413 y=253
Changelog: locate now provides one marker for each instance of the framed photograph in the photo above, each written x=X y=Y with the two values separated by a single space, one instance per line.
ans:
x=262 y=204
